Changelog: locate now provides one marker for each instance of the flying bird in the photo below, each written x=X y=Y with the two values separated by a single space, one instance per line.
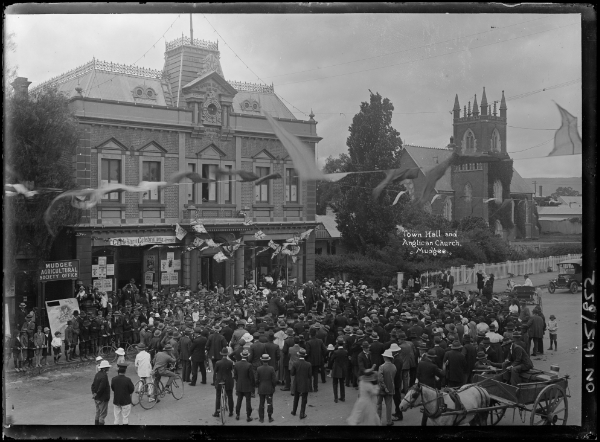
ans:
x=398 y=197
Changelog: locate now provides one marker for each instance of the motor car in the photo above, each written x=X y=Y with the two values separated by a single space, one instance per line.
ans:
x=570 y=276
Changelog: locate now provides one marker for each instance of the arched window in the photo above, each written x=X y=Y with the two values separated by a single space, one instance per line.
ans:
x=448 y=209
x=495 y=142
x=498 y=228
x=498 y=190
x=469 y=143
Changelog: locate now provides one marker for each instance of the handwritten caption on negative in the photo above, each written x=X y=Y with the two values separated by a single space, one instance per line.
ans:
x=431 y=242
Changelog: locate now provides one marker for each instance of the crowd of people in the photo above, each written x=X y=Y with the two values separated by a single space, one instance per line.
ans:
x=255 y=338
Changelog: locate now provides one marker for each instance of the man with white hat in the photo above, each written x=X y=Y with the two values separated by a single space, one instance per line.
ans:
x=101 y=392
x=386 y=375
x=143 y=365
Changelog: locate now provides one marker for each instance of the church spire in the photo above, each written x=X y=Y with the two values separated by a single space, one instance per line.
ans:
x=456 y=109
x=484 y=103
x=503 y=106
x=475 y=107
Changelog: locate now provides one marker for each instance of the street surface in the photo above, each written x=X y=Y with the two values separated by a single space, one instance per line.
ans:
x=63 y=396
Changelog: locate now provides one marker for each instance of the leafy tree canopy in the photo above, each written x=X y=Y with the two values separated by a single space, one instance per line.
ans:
x=565 y=191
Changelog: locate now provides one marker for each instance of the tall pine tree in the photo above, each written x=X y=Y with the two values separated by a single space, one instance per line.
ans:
x=373 y=144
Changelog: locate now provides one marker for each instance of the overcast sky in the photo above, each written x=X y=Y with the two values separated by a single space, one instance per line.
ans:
x=328 y=63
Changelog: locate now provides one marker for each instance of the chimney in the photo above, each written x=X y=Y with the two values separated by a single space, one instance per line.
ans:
x=21 y=86
x=541 y=191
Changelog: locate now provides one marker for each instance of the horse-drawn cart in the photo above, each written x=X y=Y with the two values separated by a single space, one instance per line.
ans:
x=543 y=395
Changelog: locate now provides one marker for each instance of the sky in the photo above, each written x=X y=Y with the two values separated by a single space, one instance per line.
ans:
x=327 y=63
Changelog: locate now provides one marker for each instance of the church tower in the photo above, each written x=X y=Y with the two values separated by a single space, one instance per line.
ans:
x=481 y=129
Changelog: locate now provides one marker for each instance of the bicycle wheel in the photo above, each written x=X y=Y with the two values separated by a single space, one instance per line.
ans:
x=147 y=399
x=108 y=353
x=177 y=388
x=138 y=390
x=223 y=404
x=131 y=352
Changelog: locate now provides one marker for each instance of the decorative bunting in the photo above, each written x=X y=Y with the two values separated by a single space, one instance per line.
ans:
x=260 y=235
x=294 y=258
x=180 y=232
x=210 y=243
x=434 y=175
x=488 y=200
x=306 y=234
x=302 y=157
x=198 y=242
x=220 y=257
x=198 y=227
x=567 y=140
x=398 y=197
x=248 y=221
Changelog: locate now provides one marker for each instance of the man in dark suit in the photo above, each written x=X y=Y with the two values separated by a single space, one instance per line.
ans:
x=184 y=353
x=365 y=361
x=257 y=349
x=244 y=385
x=266 y=379
x=309 y=296
x=470 y=352
x=456 y=366
x=376 y=349
x=427 y=370
x=273 y=351
x=223 y=373
x=226 y=331
x=216 y=342
x=198 y=356
x=287 y=344
x=301 y=370
x=517 y=362
x=315 y=354
x=535 y=330
x=338 y=364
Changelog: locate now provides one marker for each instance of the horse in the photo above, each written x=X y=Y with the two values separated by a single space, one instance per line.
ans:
x=435 y=403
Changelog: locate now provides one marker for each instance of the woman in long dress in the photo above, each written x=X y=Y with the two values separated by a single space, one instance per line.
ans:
x=365 y=408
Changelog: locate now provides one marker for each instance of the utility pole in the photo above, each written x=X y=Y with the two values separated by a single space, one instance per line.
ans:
x=534 y=188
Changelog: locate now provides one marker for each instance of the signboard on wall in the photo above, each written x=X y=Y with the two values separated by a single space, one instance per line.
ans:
x=164 y=278
x=149 y=277
x=173 y=278
x=59 y=270
x=142 y=240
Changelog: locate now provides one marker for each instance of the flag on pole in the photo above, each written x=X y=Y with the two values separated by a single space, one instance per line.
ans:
x=566 y=139
x=260 y=235
x=180 y=232
x=302 y=157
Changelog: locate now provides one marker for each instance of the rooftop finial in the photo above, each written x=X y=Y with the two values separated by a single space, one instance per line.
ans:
x=311 y=115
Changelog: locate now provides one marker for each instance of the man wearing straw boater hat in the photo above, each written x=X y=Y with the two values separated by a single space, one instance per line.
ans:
x=101 y=392
x=266 y=380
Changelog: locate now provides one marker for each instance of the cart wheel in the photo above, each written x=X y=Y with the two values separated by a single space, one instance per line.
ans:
x=573 y=287
x=551 y=407
x=495 y=416
x=551 y=288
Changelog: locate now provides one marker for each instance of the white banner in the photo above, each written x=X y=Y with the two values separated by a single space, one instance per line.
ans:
x=180 y=232
x=59 y=312
x=142 y=240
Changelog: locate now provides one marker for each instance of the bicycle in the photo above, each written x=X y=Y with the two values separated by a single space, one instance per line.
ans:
x=149 y=396
x=138 y=390
x=224 y=407
x=108 y=351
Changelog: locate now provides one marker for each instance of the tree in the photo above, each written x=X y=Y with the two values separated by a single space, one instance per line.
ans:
x=565 y=191
x=373 y=144
x=328 y=192
x=10 y=71
x=41 y=135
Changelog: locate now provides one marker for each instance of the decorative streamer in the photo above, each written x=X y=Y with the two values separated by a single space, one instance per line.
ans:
x=398 y=197
x=566 y=139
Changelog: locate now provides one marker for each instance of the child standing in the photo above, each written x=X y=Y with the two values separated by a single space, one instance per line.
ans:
x=552 y=329
x=99 y=360
x=56 y=346
x=121 y=355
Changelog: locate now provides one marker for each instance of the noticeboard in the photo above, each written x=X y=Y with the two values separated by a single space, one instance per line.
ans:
x=59 y=270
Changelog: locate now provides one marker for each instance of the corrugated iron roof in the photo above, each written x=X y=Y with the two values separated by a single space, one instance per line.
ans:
x=519 y=185
x=330 y=224
x=425 y=157
x=571 y=200
x=267 y=102
x=117 y=87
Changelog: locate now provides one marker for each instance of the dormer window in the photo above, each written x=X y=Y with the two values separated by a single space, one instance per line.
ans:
x=247 y=105
x=150 y=93
x=139 y=92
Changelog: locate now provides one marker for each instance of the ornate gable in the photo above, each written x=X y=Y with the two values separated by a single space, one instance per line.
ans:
x=112 y=144
x=264 y=155
x=152 y=146
x=211 y=152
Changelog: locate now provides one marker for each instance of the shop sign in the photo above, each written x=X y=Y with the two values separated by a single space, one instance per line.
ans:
x=149 y=276
x=142 y=240
x=59 y=270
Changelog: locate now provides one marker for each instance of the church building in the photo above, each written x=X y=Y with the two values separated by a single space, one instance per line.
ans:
x=488 y=187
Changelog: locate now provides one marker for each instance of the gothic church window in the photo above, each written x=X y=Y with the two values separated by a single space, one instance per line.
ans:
x=498 y=190
x=495 y=142
x=469 y=143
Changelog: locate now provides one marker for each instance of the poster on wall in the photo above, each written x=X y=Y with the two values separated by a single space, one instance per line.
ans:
x=164 y=265
x=164 y=278
x=101 y=272
x=97 y=284
x=110 y=270
x=150 y=263
x=102 y=261
x=59 y=312
x=177 y=264
x=149 y=276
x=173 y=278
x=95 y=271
x=107 y=285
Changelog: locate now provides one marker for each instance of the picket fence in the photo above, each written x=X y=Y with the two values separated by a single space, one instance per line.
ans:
x=467 y=275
